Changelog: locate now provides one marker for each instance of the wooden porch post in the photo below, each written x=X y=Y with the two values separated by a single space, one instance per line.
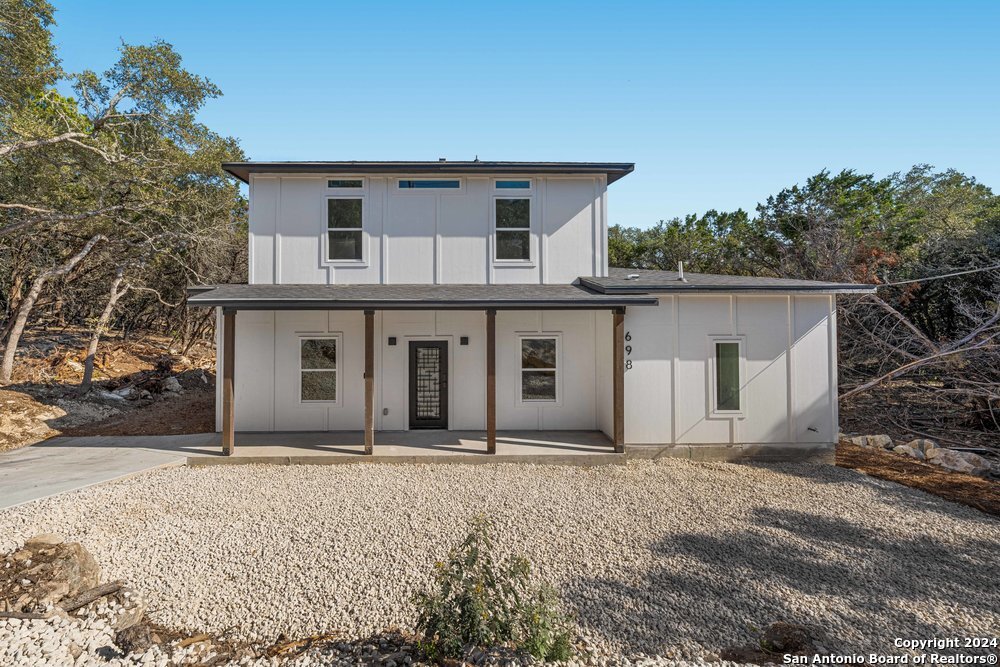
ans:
x=228 y=367
x=619 y=379
x=369 y=381
x=491 y=381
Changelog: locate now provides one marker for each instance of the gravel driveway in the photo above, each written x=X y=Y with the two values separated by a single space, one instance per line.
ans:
x=669 y=558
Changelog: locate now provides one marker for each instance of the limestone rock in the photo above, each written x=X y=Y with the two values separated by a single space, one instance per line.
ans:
x=171 y=384
x=873 y=441
x=134 y=639
x=47 y=569
x=922 y=445
x=966 y=462
x=908 y=450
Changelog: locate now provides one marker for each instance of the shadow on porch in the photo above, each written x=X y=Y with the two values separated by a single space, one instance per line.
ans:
x=560 y=447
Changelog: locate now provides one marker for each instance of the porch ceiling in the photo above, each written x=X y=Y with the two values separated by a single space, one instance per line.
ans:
x=410 y=297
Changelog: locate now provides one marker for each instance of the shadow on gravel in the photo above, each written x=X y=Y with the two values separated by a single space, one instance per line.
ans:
x=906 y=498
x=862 y=586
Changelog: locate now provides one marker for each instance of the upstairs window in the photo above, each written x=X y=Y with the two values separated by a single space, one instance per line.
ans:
x=512 y=185
x=539 y=369
x=413 y=184
x=513 y=229
x=345 y=183
x=343 y=228
x=318 y=370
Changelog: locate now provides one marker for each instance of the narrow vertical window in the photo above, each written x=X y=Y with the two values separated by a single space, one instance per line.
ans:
x=513 y=229
x=727 y=376
x=538 y=369
x=318 y=369
x=344 y=228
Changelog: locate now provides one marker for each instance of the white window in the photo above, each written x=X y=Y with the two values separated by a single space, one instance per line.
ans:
x=345 y=183
x=727 y=371
x=318 y=369
x=512 y=224
x=345 y=229
x=506 y=185
x=409 y=184
x=539 y=369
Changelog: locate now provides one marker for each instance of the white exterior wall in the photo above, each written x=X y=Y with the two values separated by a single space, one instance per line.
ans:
x=426 y=236
x=789 y=373
x=267 y=372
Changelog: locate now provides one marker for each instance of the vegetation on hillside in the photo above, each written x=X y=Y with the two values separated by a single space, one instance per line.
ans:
x=112 y=199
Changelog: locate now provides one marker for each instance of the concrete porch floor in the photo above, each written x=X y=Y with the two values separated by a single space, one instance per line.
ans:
x=335 y=447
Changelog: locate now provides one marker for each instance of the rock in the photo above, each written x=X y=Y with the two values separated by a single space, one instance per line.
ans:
x=54 y=570
x=922 y=445
x=171 y=384
x=784 y=637
x=880 y=441
x=44 y=540
x=126 y=392
x=965 y=462
x=134 y=639
x=907 y=450
x=873 y=441
x=130 y=616
x=109 y=395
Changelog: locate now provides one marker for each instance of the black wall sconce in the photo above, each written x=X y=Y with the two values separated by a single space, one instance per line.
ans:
x=392 y=340
x=464 y=340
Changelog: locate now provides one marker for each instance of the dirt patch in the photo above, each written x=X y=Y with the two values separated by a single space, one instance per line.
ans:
x=142 y=386
x=982 y=494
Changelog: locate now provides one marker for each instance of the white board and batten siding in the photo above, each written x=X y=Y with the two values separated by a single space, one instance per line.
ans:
x=788 y=373
x=426 y=236
x=267 y=369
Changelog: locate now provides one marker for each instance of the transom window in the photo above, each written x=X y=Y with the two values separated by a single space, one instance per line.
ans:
x=512 y=185
x=539 y=368
x=513 y=229
x=318 y=369
x=727 y=372
x=440 y=184
x=344 y=183
x=344 y=228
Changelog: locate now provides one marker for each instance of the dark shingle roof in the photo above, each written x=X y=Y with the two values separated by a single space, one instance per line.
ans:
x=647 y=281
x=408 y=297
x=613 y=170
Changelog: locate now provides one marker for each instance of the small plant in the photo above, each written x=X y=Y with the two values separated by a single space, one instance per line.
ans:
x=480 y=602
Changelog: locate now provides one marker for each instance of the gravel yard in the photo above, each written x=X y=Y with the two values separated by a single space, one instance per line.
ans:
x=664 y=558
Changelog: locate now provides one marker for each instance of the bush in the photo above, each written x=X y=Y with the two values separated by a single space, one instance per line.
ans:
x=477 y=601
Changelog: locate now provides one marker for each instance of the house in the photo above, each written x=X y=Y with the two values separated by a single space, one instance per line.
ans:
x=476 y=296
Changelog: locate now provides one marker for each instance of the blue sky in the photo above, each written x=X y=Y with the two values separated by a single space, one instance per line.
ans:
x=718 y=103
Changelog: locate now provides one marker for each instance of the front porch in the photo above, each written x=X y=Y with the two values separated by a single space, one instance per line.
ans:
x=365 y=351
x=467 y=447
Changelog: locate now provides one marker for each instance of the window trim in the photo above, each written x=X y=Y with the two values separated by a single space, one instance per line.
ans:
x=494 y=230
x=325 y=245
x=339 y=339
x=557 y=371
x=713 y=390
x=428 y=191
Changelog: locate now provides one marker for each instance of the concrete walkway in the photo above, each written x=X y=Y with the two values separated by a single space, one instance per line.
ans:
x=65 y=464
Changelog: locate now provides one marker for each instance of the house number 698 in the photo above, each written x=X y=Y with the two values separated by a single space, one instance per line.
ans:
x=628 y=351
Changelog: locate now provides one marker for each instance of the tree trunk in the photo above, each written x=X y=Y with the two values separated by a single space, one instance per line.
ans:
x=102 y=324
x=7 y=366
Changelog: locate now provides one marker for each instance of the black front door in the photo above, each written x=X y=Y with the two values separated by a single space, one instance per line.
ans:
x=429 y=384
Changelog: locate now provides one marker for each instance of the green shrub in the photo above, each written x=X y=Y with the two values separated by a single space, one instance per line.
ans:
x=478 y=601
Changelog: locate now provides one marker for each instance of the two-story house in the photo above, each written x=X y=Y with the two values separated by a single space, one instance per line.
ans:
x=476 y=296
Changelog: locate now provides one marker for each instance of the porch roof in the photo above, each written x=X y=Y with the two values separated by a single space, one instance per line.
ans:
x=410 y=297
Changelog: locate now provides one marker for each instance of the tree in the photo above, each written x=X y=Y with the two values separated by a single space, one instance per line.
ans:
x=125 y=160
